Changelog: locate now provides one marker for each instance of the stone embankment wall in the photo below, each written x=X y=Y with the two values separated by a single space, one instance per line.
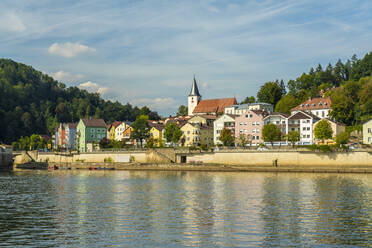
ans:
x=99 y=157
x=286 y=158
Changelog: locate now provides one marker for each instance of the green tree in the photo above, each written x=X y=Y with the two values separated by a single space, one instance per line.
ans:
x=286 y=103
x=172 y=133
x=140 y=129
x=293 y=137
x=342 y=138
x=271 y=133
x=323 y=130
x=249 y=99
x=182 y=110
x=270 y=92
x=226 y=137
x=243 y=140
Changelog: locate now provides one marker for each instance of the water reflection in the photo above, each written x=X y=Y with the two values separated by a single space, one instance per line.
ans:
x=183 y=209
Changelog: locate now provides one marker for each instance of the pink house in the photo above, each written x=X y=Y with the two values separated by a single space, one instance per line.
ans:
x=250 y=124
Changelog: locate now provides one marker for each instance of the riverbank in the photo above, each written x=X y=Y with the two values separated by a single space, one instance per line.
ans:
x=188 y=167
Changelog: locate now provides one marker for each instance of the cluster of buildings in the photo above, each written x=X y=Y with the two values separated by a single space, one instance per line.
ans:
x=87 y=133
x=205 y=121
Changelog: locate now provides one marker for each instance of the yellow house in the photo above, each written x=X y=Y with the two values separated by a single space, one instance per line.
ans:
x=336 y=128
x=156 y=132
x=197 y=134
x=367 y=132
x=203 y=119
x=111 y=130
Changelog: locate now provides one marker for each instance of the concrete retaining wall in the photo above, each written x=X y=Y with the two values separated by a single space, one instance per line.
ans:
x=295 y=158
x=139 y=157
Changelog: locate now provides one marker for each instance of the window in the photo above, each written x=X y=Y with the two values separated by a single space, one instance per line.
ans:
x=320 y=104
x=369 y=139
x=257 y=137
x=283 y=122
x=322 y=113
x=317 y=113
x=369 y=130
x=188 y=132
x=92 y=130
x=308 y=136
x=313 y=104
x=308 y=128
x=246 y=116
x=302 y=105
x=307 y=105
x=292 y=129
x=250 y=115
x=304 y=129
x=92 y=135
x=277 y=122
x=188 y=138
x=325 y=104
x=304 y=136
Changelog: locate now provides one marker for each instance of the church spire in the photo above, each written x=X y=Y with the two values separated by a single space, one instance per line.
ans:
x=194 y=89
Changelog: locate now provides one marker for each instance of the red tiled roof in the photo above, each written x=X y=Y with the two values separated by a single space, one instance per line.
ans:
x=116 y=123
x=214 y=105
x=94 y=122
x=315 y=103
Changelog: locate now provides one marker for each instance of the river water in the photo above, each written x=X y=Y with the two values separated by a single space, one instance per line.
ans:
x=184 y=209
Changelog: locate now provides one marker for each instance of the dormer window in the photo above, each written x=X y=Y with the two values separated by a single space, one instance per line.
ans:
x=313 y=104
x=325 y=104
x=320 y=104
x=307 y=105
x=302 y=105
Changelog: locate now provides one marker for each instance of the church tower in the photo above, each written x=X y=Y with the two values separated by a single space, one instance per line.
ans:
x=193 y=98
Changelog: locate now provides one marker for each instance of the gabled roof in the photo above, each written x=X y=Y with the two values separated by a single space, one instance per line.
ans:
x=116 y=123
x=315 y=103
x=194 y=89
x=260 y=112
x=285 y=115
x=214 y=105
x=302 y=115
x=157 y=126
x=94 y=122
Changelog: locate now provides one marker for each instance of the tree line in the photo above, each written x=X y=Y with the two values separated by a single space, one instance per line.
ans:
x=33 y=102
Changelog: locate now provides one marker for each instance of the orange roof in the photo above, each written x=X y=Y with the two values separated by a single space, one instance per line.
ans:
x=214 y=105
x=315 y=103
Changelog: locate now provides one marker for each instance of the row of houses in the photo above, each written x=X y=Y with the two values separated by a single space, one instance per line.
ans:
x=85 y=135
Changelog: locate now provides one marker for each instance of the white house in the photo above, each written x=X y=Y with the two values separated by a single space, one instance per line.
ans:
x=320 y=107
x=239 y=109
x=303 y=123
x=279 y=119
x=225 y=120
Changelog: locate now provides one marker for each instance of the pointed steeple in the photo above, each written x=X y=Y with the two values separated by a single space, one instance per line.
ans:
x=194 y=89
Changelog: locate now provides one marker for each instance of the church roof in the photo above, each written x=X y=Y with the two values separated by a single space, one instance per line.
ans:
x=194 y=89
x=214 y=105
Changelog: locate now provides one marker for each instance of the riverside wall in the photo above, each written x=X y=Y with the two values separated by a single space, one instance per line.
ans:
x=248 y=158
x=286 y=158
x=98 y=157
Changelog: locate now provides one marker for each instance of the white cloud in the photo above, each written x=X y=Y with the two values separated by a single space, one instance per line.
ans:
x=69 y=50
x=156 y=103
x=66 y=76
x=11 y=22
x=94 y=87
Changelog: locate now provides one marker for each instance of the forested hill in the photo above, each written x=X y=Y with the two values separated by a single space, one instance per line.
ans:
x=349 y=84
x=33 y=102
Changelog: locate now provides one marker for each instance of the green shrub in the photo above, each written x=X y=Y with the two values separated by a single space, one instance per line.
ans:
x=132 y=158
x=108 y=160
x=325 y=148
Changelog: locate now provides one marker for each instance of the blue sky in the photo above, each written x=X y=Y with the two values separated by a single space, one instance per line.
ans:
x=147 y=52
